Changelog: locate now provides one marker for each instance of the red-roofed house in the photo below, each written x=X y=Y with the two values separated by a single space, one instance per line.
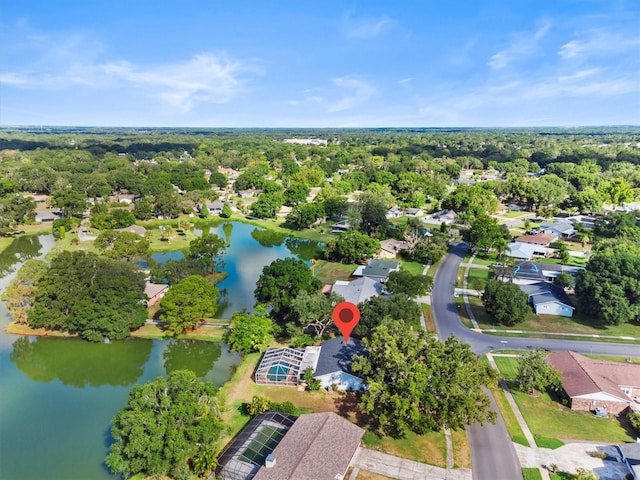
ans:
x=590 y=384
x=543 y=239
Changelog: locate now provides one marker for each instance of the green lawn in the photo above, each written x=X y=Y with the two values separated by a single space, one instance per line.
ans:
x=415 y=268
x=509 y=418
x=556 y=324
x=531 y=474
x=508 y=366
x=329 y=272
x=548 y=420
x=5 y=242
x=478 y=277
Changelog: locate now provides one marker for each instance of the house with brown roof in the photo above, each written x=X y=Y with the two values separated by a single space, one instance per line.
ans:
x=155 y=292
x=591 y=384
x=543 y=239
x=276 y=446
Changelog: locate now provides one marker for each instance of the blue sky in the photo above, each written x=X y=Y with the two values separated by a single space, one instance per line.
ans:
x=320 y=63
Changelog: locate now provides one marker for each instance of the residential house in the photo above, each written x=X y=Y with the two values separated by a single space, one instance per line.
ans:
x=284 y=211
x=46 y=216
x=391 y=248
x=277 y=446
x=531 y=272
x=524 y=251
x=126 y=198
x=394 y=212
x=334 y=364
x=155 y=292
x=630 y=456
x=445 y=216
x=250 y=193
x=377 y=269
x=414 y=212
x=341 y=226
x=357 y=291
x=548 y=299
x=562 y=229
x=214 y=207
x=591 y=384
x=313 y=193
x=540 y=239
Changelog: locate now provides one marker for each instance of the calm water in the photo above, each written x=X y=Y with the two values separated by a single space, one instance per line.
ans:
x=58 y=396
x=250 y=250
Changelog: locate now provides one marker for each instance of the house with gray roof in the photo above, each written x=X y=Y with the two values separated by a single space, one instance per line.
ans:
x=563 y=229
x=357 y=291
x=334 y=364
x=377 y=269
x=532 y=272
x=548 y=299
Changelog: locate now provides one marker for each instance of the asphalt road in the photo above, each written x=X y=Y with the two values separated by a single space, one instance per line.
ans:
x=493 y=456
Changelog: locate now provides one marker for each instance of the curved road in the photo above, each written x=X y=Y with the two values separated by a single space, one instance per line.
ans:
x=493 y=455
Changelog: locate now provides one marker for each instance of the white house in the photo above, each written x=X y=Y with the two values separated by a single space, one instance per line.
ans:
x=548 y=299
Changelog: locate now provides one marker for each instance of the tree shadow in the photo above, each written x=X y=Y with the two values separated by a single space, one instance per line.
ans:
x=346 y=404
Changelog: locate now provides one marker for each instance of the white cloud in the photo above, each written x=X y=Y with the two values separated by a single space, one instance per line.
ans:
x=406 y=82
x=360 y=92
x=366 y=28
x=522 y=44
x=206 y=77
x=599 y=42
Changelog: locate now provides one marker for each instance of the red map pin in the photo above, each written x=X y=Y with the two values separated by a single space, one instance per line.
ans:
x=346 y=316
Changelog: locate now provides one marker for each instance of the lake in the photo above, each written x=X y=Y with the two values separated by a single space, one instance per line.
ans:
x=58 y=396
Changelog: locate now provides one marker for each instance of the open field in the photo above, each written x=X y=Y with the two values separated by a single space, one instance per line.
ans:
x=508 y=366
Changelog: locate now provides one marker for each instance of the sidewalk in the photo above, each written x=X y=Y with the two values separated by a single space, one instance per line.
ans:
x=402 y=469
x=465 y=293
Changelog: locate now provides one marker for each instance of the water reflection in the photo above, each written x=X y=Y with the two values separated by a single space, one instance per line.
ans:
x=19 y=251
x=268 y=238
x=79 y=363
x=196 y=356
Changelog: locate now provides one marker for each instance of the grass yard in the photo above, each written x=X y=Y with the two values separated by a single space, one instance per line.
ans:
x=508 y=366
x=364 y=475
x=328 y=272
x=556 y=324
x=430 y=448
x=428 y=318
x=415 y=268
x=509 y=418
x=478 y=277
x=462 y=311
x=461 y=449
x=531 y=474
x=549 y=420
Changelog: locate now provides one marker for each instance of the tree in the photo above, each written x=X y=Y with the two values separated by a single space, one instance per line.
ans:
x=92 y=296
x=406 y=283
x=305 y=215
x=19 y=295
x=281 y=281
x=313 y=384
x=168 y=204
x=143 y=209
x=70 y=202
x=314 y=311
x=562 y=251
x=15 y=209
x=296 y=194
x=250 y=332
x=352 y=247
x=505 y=302
x=187 y=303
x=608 y=287
x=564 y=280
x=205 y=251
x=535 y=374
x=417 y=383
x=634 y=419
x=226 y=210
x=204 y=211
x=485 y=232
x=165 y=423
x=126 y=246
x=396 y=307
x=373 y=213
x=267 y=205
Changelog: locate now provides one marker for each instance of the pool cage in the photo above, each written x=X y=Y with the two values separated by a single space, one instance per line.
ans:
x=242 y=459
x=280 y=366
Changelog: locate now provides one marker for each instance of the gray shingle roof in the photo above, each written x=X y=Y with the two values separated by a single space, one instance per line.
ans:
x=358 y=291
x=335 y=356
x=380 y=268
x=318 y=446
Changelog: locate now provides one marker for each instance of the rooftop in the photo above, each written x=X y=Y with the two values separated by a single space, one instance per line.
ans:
x=357 y=291
x=335 y=356
x=318 y=446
